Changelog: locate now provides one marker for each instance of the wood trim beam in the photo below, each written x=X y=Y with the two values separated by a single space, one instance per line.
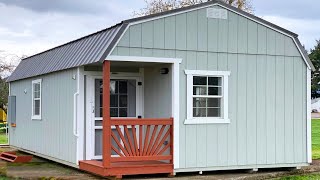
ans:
x=106 y=124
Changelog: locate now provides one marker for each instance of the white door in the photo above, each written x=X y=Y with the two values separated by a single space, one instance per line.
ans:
x=125 y=102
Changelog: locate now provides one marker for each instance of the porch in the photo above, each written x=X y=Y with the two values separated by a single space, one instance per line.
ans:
x=132 y=145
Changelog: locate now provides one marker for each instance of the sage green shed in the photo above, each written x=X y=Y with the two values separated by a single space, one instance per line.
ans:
x=265 y=119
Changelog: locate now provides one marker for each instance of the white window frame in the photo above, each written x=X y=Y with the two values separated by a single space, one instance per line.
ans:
x=207 y=120
x=36 y=117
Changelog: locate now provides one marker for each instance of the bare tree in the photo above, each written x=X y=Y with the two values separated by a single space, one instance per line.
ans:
x=7 y=64
x=157 y=6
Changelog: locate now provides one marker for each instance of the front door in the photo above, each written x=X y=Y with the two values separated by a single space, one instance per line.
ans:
x=125 y=102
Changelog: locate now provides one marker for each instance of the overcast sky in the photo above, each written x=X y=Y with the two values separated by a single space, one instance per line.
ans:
x=31 y=26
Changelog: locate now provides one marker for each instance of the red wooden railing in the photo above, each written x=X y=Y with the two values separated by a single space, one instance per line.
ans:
x=142 y=139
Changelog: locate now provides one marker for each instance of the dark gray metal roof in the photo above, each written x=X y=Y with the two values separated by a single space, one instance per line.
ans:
x=95 y=47
x=86 y=50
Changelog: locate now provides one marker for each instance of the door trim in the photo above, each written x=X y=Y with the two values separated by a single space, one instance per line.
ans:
x=90 y=125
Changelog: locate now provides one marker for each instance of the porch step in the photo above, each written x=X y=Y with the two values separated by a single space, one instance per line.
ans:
x=118 y=169
x=12 y=157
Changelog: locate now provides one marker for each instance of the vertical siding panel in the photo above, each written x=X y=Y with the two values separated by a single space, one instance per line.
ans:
x=298 y=116
x=280 y=118
x=262 y=39
x=147 y=34
x=170 y=53
x=270 y=109
x=158 y=53
x=123 y=51
x=241 y=110
x=213 y=39
x=191 y=130
x=181 y=31
x=232 y=32
x=232 y=128
x=222 y=128
x=223 y=35
x=135 y=35
x=271 y=42
x=183 y=108
x=212 y=129
x=125 y=39
x=202 y=63
x=289 y=111
x=146 y=52
x=170 y=32
x=202 y=30
x=158 y=34
x=252 y=37
x=279 y=44
x=261 y=110
x=290 y=47
x=242 y=35
x=135 y=51
x=251 y=109
x=192 y=34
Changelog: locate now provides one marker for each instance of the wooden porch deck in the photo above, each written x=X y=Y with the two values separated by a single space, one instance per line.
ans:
x=118 y=169
x=137 y=146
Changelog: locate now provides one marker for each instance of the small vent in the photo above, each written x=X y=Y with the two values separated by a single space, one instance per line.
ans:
x=215 y=13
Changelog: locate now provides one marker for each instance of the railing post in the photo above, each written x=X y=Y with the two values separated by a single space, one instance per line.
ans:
x=106 y=126
x=171 y=140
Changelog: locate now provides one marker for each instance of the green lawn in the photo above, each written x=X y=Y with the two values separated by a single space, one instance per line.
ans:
x=3 y=138
x=301 y=177
x=316 y=139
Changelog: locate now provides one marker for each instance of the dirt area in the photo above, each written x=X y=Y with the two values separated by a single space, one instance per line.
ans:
x=43 y=169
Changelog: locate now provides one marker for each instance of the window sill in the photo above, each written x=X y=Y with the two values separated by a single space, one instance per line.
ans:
x=36 y=118
x=207 y=121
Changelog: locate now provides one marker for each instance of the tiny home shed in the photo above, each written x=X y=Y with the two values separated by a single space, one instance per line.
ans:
x=206 y=87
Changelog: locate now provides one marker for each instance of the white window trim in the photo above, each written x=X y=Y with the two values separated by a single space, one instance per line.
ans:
x=206 y=120
x=36 y=117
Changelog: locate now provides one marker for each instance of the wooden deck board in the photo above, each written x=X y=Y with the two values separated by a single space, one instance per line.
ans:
x=126 y=168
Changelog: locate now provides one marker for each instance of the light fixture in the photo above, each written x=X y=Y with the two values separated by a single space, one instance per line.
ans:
x=164 y=70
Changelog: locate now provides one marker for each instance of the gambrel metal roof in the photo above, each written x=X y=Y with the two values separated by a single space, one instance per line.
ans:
x=95 y=47
x=86 y=50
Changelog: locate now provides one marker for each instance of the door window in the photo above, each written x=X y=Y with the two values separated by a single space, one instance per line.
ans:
x=122 y=98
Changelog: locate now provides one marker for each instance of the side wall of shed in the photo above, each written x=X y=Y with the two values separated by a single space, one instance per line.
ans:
x=52 y=135
x=267 y=87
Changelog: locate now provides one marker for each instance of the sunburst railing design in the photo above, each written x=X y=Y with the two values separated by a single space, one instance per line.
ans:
x=142 y=139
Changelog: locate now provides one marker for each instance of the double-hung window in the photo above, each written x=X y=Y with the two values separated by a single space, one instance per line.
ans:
x=36 y=99
x=207 y=97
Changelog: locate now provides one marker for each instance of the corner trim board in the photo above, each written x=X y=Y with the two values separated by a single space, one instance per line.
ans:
x=309 y=136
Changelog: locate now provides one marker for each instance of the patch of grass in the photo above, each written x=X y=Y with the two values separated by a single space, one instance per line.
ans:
x=316 y=139
x=301 y=177
x=3 y=139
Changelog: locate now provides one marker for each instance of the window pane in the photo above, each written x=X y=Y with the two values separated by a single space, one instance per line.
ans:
x=113 y=100
x=113 y=87
x=214 y=102
x=123 y=112
x=198 y=80
x=199 y=90
x=37 y=87
x=199 y=112
x=36 y=94
x=123 y=101
x=123 y=87
x=213 y=112
x=199 y=102
x=215 y=81
x=114 y=112
x=36 y=107
x=214 y=91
